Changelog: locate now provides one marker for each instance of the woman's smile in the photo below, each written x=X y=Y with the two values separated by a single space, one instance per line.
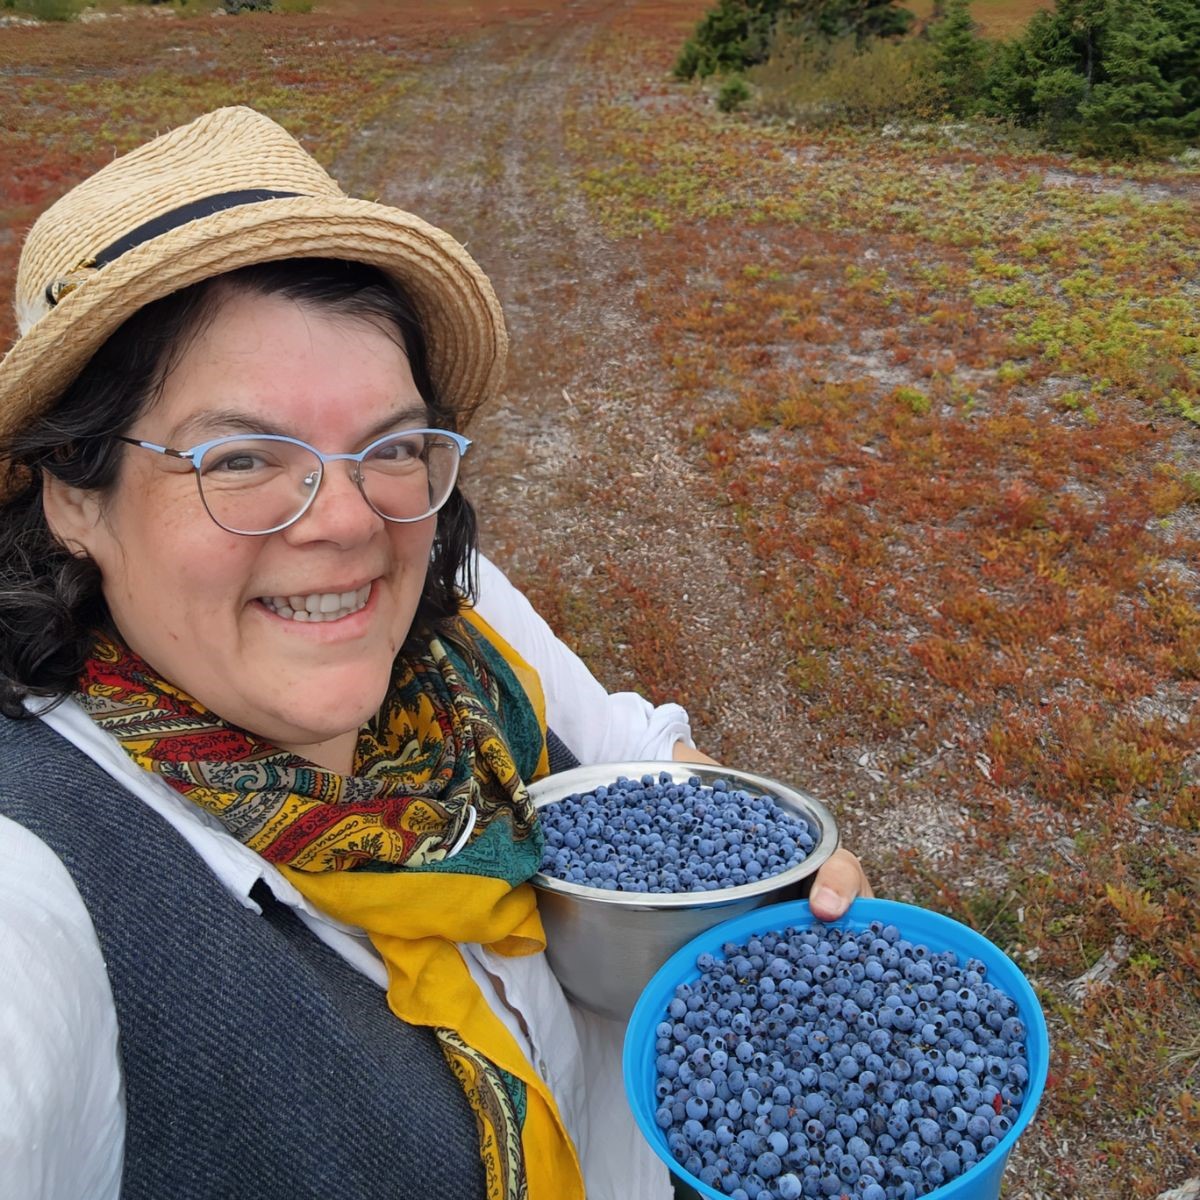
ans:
x=317 y=606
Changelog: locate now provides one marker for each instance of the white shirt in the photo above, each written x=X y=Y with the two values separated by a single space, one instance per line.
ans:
x=62 y=1117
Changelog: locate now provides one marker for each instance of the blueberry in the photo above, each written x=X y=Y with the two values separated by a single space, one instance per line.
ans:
x=789 y=1187
x=929 y=1131
x=768 y=1164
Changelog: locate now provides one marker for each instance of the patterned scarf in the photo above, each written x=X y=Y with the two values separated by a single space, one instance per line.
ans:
x=428 y=843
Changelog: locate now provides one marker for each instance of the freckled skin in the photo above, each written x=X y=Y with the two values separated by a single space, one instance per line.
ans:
x=184 y=592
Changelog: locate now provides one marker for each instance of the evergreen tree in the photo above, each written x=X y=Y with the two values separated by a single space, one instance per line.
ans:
x=1183 y=65
x=731 y=36
x=736 y=34
x=832 y=20
x=1133 y=107
x=1031 y=77
x=1107 y=76
x=958 y=57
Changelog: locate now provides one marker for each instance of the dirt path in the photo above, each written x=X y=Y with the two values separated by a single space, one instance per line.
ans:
x=479 y=148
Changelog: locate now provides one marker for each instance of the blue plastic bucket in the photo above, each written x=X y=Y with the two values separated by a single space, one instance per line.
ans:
x=982 y=1181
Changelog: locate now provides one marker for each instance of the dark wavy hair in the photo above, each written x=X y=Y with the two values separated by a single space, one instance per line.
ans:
x=51 y=603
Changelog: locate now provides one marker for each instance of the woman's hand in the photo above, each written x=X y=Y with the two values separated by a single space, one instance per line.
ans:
x=838 y=881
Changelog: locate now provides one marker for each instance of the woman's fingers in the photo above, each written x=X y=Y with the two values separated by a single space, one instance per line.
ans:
x=838 y=881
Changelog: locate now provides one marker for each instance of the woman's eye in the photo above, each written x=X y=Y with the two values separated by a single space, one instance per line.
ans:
x=237 y=462
x=404 y=450
x=240 y=463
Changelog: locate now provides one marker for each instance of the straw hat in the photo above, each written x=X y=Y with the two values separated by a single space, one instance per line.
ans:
x=228 y=190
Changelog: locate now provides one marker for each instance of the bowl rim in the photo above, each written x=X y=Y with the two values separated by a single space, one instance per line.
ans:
x=681 y=968
x=817 y=814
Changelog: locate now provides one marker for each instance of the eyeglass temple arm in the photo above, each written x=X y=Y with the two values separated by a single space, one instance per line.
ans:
x=187 y=455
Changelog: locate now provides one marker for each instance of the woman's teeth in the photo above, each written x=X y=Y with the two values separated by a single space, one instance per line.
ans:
x=318 y=606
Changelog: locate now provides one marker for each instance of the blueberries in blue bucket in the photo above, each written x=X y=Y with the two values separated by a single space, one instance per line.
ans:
x=824 y=1062
x=655 y=834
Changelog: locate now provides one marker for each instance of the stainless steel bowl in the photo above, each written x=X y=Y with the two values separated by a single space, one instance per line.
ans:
x=604 y=946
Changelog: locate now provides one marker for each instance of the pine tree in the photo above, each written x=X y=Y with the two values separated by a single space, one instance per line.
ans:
x=836 y=19
x=1064 y=39
x=1183 y=66
x=1108 y=76
x=736 y=34
x=732 y=35
x=958 y=58
x=1133 y=108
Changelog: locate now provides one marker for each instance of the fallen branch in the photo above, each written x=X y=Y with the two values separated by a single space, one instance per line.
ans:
x=1100 y=972
x=1186 y=1191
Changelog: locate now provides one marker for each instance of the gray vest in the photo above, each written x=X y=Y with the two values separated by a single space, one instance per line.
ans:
x=257 y=1063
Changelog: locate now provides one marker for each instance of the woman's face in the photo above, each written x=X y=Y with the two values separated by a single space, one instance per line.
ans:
x=189 y=597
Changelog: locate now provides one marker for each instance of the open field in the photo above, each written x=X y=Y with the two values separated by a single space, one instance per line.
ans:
x=880 y=453
x=995 y=18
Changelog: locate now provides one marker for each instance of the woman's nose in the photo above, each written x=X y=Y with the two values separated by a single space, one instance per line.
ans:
x=339 y=512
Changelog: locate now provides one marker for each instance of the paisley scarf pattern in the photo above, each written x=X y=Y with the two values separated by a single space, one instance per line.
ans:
x=428 y=843
x=434 y=753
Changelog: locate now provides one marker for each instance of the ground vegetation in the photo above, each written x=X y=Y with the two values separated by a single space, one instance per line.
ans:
x=879 y=448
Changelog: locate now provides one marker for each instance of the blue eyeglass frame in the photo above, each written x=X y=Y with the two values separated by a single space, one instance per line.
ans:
x=195 y=456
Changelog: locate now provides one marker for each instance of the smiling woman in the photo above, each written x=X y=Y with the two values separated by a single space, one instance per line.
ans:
x=198 y=601
x=268 y=720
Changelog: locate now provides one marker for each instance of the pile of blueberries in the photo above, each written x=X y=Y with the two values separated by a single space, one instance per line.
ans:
x=659 y=835
x=825 y=1062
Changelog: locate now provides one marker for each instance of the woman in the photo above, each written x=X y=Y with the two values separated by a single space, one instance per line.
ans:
x=263 y=910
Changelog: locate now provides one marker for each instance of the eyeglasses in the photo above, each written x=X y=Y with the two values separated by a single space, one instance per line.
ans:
x=262 y=483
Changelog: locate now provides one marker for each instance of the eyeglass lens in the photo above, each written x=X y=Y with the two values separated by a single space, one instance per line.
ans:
x=256 y=484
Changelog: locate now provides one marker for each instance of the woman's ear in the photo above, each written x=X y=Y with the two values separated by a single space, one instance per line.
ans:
x=72 y=513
